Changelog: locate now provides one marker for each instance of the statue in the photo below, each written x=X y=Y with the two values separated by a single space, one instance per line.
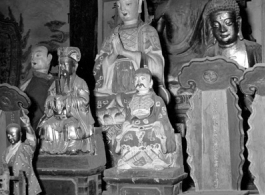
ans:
x=147 y=138
x=37 y=87
x=182 y=31
x=67 y=125
x=225 y=23
x=18 y=156
x=130 y=44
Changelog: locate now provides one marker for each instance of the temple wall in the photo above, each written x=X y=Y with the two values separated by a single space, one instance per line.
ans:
x=47 y=21
x=254 y=14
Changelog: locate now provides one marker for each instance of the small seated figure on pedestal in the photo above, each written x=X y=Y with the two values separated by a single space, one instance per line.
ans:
x=225 y=23
x=18 y=156
x=67 y=125
x=147 y=138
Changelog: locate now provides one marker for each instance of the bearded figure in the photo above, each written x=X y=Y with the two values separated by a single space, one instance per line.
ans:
x=67 y=125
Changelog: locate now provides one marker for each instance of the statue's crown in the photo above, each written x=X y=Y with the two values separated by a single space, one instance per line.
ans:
x=143 y=71
x=70 y=52
x=218 y=5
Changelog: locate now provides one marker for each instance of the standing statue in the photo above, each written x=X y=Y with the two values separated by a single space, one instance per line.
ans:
x=225 y=22
x=37 y=87
x=18 y=156
x=67 y=125
x=147 y=138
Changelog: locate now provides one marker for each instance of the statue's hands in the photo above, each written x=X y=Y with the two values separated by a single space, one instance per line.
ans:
x=117 y=45
x=25 y=119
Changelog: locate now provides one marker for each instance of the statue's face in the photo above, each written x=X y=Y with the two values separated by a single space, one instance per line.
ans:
x=40 y=60
x=225 y=27
x=66 y=66
x=128 y=10
x=143 y=82
x=13 y=134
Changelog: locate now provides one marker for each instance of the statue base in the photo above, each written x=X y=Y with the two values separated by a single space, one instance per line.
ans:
x=141 y=181
x=73 y=174
x=218 y=193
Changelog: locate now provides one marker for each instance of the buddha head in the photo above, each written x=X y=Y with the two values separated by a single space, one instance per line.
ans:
x=143 y=80
x=40 y=59
x=13 y=133
x=225 y=21
x=129 y=10
x=68 y=61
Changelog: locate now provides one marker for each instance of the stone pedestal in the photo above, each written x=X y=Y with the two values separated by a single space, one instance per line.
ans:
x=140 y=181
x=73 y=174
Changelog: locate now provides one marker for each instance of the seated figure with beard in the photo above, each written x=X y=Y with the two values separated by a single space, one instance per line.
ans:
x=67 y=125
x=147 y=138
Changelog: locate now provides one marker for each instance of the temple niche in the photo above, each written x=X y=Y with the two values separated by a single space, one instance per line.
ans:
x=148 y=97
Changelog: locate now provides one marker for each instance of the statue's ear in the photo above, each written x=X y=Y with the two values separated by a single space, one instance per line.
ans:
x=239 y=24
x=140 y=6
x=49 y=58
x=151 y=83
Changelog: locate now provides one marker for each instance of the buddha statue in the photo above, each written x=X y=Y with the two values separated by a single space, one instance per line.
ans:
x=225 y=22
x=147 y=138
x=67 y=125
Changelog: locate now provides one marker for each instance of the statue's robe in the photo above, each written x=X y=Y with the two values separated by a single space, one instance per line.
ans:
x=56 y=139
x=252 y=51
x=119 y=76
x=37 y=90
x=20 y=159
x=153 y=144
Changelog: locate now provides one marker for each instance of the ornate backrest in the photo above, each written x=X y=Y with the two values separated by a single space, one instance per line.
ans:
x=214 y=127
x=253 y=82
x=11 y=99
x=11 y=45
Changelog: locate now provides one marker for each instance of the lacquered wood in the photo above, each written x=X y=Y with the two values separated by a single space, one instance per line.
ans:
x=252 y=82
x=214 y=126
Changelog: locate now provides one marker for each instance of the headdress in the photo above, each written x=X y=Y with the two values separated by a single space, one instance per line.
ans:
x=69 y=52
x=218 y=5
x=143 y=71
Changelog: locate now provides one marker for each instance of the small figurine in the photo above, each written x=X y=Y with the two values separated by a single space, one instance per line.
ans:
x=67 y=125
x=37 y=87
x=147 y=138
x=225 y=21
x=18 y=156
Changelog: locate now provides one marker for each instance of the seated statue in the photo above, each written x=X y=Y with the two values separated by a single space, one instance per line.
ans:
x=131 y=45
x=67 y=125
x=225 y=22
x=18 y=156
x=147 y=138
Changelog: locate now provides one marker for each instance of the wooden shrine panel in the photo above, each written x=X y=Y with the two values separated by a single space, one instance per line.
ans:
x=253 y=82
x=214 y=126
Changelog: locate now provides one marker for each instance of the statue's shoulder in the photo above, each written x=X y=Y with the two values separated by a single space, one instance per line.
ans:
x=210 y=51
x=252 y=45
x=146 y=27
